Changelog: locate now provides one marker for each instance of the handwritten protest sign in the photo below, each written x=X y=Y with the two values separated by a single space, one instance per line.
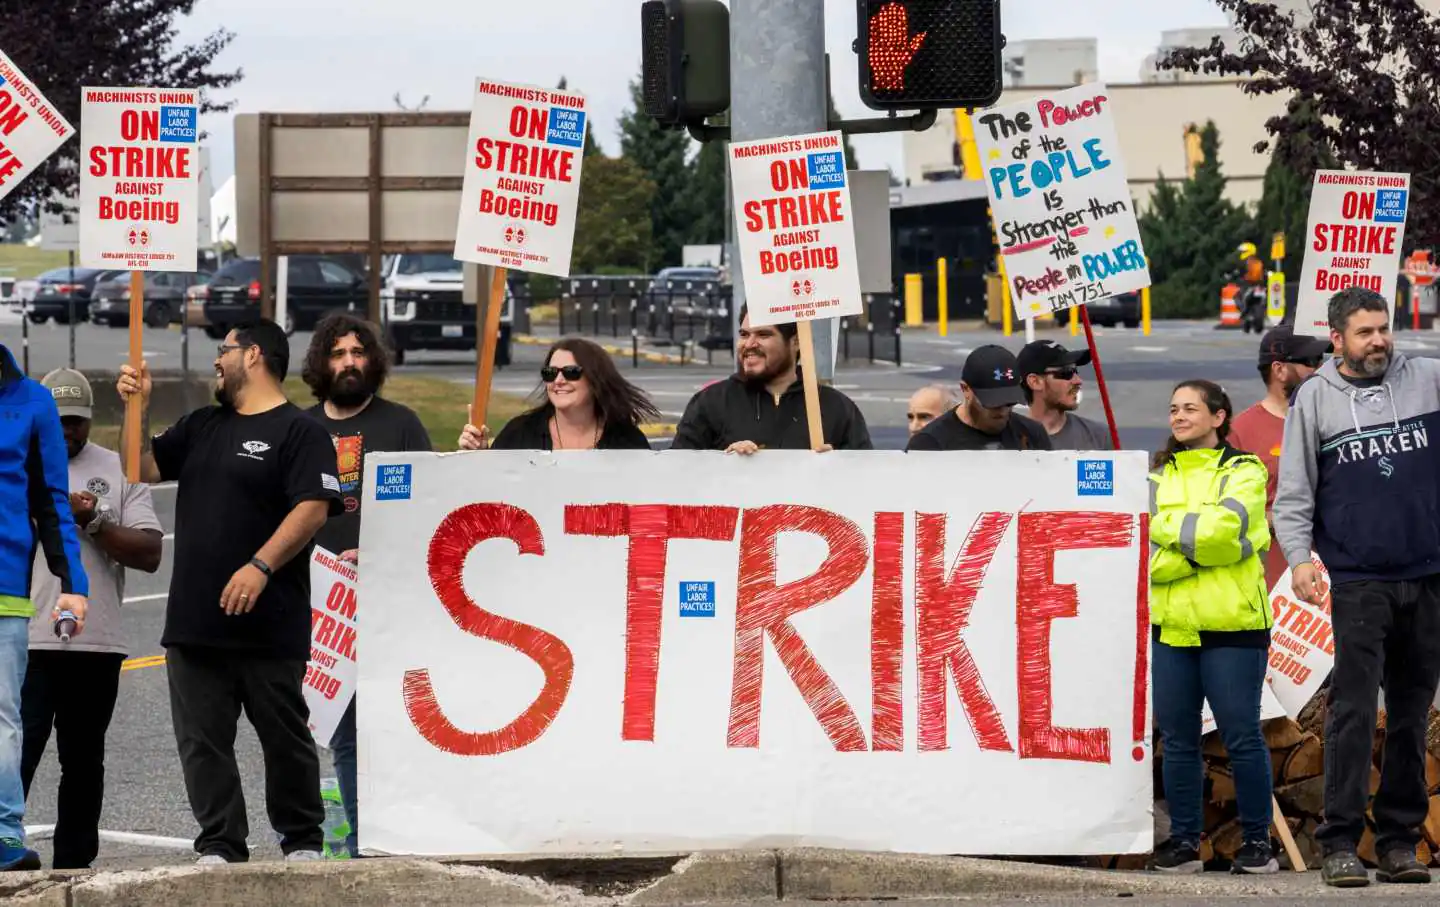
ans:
x=330 y=675
x=30 y=129
x=844 y=650
x=795 y=228
x=139 y=187
x=1354 y=239
x=522 y=178
x=1064 y=217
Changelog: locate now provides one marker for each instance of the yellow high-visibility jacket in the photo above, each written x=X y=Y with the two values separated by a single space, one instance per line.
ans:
x=1208 y=537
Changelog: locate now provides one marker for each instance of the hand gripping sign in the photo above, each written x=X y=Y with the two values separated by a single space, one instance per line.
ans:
x=795 y=228
x=139 y=178
x=30 y=129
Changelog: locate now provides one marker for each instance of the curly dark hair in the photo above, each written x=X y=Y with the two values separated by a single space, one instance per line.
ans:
x=617 y=401
x=316 y=371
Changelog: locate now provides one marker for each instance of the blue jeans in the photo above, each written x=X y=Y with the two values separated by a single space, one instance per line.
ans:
x=1182 y=679
x=14 y=655
x=342 y=751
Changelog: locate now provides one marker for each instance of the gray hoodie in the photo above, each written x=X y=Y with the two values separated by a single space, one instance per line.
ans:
x=1359 y=479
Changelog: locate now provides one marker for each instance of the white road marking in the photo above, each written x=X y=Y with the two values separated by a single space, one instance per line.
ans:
x=131 y=599
x=1150 y=349
x=46 y=832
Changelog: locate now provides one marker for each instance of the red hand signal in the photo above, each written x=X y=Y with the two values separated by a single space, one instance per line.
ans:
x=892 y=47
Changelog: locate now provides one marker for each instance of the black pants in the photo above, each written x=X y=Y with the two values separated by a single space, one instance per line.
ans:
x=208 y=688
x=74 y=693
x=1385 y=632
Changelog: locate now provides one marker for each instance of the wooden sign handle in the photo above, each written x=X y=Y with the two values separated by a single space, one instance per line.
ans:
x=812 y=385
x=137 y=356
x=487 y=331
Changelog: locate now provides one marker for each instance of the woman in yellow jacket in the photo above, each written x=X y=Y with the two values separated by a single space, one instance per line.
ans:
x=1211 y=616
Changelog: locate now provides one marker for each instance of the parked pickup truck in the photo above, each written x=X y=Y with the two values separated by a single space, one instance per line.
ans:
x=423 y=299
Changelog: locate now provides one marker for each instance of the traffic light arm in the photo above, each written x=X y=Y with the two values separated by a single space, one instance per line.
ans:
x=918 y=122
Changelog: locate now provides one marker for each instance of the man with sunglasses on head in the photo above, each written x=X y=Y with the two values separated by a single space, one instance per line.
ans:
x=1050 y=380
x=1287 y=360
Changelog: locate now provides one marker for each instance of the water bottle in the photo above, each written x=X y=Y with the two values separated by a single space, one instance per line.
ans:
x=65 y=625
x=336 y=828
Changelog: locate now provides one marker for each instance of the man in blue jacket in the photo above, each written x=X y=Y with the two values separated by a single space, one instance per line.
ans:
x=34 y=509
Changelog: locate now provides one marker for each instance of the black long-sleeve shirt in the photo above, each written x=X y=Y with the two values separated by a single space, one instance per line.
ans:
x=734 y=410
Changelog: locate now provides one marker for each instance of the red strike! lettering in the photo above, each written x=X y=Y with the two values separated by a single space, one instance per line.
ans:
x=136 y=163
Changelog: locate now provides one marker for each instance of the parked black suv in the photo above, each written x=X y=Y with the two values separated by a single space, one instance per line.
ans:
x=56 y=288
x=317 y=286
x=164 y=298
x=1114 y=310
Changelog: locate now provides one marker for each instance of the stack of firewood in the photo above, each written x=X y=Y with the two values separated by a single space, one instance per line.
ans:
x=1297 y=760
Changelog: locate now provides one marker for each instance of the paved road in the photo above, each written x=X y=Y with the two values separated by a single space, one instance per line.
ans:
x=145 y=794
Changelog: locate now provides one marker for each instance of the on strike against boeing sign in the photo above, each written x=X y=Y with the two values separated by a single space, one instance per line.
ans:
x=139 y=178
x=522 y=178
x=795 y=228
x=884 y=657
x=30 y=129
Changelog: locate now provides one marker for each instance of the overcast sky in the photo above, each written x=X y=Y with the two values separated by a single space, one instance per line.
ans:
x=354 y=55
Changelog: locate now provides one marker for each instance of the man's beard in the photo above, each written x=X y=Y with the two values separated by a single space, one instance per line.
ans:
x=351 y=387
x=768 y=374
x=228 y=388
x=1367 y=369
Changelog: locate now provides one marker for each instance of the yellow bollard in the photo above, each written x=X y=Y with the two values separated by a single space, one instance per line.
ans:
x=942 y=295
x=1007 y=317
x=1074 y=321
x=1145 y=311
x=914 y=300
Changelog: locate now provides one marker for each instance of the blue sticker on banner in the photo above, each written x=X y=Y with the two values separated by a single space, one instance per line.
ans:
x=826 y=170
x=1390 y=206
x=392 y=483
x=567 y=127
x=697 y=599
x=1095 y=477
x=177 y=124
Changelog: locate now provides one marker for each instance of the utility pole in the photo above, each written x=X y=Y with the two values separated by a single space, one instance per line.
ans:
x=777 y=87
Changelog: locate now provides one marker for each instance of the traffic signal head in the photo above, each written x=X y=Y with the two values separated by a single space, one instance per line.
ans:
x=685 y=45
x=929 y=54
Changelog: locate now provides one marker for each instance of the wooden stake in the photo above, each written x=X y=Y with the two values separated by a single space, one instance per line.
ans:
x=487 y=330
x=1282 y=828
x=137 y=356
x=812 y=386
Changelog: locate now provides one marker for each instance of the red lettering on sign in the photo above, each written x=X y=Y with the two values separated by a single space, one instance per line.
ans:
x=765 y=607
x=887 y=635
x=650 y=528
x=1038 y=601
x=456 y=537
x=942 y=612
x=9 y=164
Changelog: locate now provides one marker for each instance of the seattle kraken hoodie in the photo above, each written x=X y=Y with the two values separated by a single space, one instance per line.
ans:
x=1359 y=479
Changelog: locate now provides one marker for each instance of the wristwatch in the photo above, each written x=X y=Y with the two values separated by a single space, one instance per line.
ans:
x=104 y=515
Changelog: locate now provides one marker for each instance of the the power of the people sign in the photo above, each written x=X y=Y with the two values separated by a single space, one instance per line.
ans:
x=139 y=178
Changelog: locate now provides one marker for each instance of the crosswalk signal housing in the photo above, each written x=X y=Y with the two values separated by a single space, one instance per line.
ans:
x=685 y=46
x=929 y=54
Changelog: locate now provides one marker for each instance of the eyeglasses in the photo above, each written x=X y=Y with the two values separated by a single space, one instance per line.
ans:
x=1064 y=373
x=571 y=372
x=1311 y=362
x=224 y=348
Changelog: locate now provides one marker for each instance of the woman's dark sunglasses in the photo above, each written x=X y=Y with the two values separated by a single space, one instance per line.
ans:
x=571 y=372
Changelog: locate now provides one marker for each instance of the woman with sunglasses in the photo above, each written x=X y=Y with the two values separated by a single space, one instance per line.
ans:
x=584 y=404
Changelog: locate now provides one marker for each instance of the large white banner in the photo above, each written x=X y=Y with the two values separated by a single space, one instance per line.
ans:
x=30 y=129
x=636 y=651
x=1064 y=215
x=795 y=228
x=1355 y=235
x=139 y=178
x=522 y=178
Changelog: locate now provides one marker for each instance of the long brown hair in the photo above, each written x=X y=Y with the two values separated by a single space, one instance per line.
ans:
x=1215 y=399
x=617 y=401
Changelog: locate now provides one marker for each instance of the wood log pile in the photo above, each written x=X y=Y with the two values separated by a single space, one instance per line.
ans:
x=1297 y=760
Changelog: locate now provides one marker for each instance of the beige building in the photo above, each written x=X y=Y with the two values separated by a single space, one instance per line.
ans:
x=1151 y=120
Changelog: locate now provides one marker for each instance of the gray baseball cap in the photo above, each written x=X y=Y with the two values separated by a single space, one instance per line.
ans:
x=71 y=391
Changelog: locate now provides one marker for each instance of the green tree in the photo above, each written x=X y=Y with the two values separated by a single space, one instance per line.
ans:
x=662 y=156
x=707 y=194
x=1285 y=204
x=612 y=225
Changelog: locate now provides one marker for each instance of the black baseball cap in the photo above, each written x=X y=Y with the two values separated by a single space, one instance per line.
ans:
x=993 y=376
x=1282 y=344
x=1035 y=358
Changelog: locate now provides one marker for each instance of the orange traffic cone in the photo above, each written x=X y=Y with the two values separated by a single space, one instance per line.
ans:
x=1229 y=310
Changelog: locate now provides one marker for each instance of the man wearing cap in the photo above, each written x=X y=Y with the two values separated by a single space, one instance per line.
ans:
x=34 y=511
x=1050 y=376
x=71 y=685
x=1287 y=359
x=990 y=380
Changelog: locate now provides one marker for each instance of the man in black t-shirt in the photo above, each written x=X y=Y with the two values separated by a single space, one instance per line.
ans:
x=346 y=366
x=257 y=479
x=986 y=420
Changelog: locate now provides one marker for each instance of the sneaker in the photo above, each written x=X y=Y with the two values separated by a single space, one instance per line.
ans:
x=1255 y=858
x=1343 y=869
x=211 y=859
x=14 y=855
x=1177 y=857
x=303 y=856
x=1400 y=865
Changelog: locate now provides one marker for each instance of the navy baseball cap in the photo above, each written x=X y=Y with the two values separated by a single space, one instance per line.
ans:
x=993 y=376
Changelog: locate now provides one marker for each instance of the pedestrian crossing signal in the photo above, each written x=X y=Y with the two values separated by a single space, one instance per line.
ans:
x=929 y=54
